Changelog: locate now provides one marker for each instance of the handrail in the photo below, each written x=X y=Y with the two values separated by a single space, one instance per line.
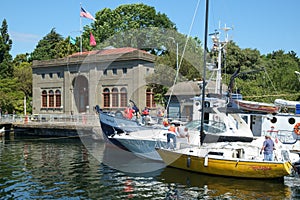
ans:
x=50 y=118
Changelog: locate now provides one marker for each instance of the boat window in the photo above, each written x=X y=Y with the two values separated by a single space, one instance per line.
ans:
x=292 y=120
x=274 y=120
x=215 y=127
x=215 y=153
x=211 y=126
x=193 y=125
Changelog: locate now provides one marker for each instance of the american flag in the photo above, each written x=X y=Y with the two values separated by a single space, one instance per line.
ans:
x=86 y=14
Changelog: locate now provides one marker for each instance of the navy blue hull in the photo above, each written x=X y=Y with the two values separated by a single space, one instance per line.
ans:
x=108 y=133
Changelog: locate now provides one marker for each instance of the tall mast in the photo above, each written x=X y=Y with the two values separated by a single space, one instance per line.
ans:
x=219 y=46
x=204 y=72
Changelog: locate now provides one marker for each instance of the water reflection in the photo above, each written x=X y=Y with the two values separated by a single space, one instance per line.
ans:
x=127 y=162
x=73 y=169
x=214 y=186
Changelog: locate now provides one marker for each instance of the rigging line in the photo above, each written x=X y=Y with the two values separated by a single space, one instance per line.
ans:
x=270 y=80
x=183 y=52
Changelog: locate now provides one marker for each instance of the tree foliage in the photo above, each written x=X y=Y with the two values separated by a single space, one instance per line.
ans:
x=6 y=68
x=45 y=48
x=264 y=77
x=127 y=26
x=53 y=46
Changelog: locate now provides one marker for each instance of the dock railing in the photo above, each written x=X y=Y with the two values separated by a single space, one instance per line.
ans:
x=80 y=119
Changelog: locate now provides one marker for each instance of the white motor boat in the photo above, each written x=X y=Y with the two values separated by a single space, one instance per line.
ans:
x=224 y=128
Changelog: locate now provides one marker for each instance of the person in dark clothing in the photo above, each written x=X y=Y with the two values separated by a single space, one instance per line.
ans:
x=268 y=148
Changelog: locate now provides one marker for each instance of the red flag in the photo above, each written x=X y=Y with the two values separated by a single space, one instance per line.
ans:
x=92 y=40
x=86 y=14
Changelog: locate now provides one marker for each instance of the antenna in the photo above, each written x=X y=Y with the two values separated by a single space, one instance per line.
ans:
x=226 y=29
x=218 y=46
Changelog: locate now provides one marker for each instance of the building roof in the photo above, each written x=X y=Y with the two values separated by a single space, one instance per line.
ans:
x=107 y=51
x=103 y=55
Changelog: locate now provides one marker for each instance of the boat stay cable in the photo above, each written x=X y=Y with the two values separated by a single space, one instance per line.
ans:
x=182 y=55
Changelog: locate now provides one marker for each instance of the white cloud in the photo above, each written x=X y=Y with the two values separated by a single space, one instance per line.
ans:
x=24 y=37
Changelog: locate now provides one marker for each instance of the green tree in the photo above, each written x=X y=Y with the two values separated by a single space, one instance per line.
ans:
x=46 y=48
x=23 y=76
x=129 y=22
x=64 y=48
x=190 y=65
x=281 y=68
x=8 y=93
x=23 y=84
x=20 y=58
x=6 y=67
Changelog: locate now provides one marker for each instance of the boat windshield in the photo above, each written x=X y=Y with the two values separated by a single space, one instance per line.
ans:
x=212 y=126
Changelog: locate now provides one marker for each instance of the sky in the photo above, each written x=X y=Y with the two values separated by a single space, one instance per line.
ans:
x=265 y=25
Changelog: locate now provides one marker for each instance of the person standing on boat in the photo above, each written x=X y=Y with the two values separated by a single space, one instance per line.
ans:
x=145 y=115
x=136 y=111
x=182 y=132
x=129 y=112
x=171 y=135
x=268 y=148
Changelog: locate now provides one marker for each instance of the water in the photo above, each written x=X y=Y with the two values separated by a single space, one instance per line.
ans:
x=58 y=168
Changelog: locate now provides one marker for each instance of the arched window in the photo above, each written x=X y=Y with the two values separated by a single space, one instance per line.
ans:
x=44 y=98
x=106 y=98
x=123 y=94
x=57 y=98
x=115 y=97
x=51 y=98
x=150 y=103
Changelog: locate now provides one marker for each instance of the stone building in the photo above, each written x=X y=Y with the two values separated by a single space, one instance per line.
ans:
x=108 y=78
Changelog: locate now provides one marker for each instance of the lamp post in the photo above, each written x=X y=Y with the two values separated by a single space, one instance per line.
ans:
x=176 y=51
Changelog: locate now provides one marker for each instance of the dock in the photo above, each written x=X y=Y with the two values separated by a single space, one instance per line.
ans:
x=53 y=125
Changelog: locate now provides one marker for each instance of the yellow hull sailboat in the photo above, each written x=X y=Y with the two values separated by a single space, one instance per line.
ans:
x=230 y=164
x=232 y=159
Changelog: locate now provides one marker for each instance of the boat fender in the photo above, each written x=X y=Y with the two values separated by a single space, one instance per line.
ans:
x=206 y=161
x=188 y=162
x=297 y=128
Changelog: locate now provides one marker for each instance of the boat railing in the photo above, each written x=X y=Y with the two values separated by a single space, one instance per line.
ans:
x=284 y=136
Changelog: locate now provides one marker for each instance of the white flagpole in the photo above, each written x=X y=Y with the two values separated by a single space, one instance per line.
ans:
x=80 y=30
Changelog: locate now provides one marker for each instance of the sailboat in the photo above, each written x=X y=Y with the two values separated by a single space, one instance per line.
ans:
x=232 y=159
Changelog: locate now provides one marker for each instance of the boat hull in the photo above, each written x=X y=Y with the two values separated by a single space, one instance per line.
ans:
x=144 y=148
x=226 y=167
x=113 y=125
x=257 y=106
